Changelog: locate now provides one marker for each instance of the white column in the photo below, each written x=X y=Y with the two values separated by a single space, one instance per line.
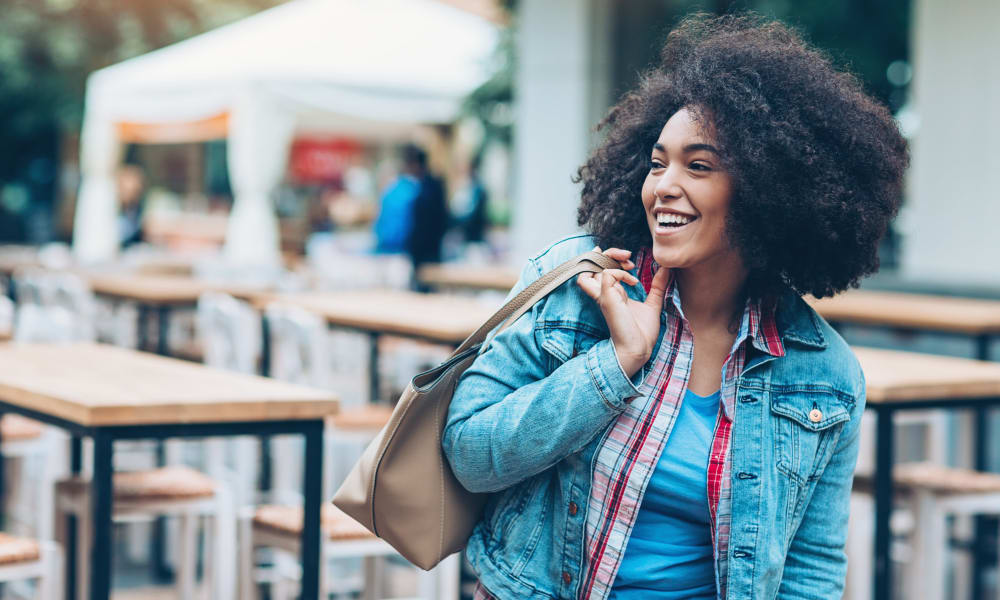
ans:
x=561 y=91
x=260 y=133
x=95 y=222
x=953 y=198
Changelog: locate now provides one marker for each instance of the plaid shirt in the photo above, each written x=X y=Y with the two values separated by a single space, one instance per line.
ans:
x=630 y=450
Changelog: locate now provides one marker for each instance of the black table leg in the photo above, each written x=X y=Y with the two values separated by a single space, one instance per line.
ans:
x=158 y=543
x=101 y=501
x=883 y=503
x=163 y=322
x=373 y=368
x=264 y=483
x=312 y=494
x=985 y=527
x=3 y=481
x=142 y=327
x=75 y=466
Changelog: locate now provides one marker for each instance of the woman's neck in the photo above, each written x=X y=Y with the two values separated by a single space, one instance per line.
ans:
x=712 y=295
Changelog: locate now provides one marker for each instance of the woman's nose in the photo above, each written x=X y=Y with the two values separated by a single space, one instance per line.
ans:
x=667 y=185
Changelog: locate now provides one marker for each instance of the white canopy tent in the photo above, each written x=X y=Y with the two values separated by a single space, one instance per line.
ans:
x=370 y=68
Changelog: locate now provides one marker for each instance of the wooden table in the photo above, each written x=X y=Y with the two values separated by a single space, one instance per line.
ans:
x=979 y=319
x=160 y=293
x=976 y=319
x=438 y=318
x=458 y=275
x=909 y=380
x=110 y=394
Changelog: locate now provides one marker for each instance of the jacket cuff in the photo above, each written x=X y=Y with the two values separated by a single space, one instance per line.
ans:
x=608 y=375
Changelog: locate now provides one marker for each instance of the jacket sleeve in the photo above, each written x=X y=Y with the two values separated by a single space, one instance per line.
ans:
x=816 y=564
x=510 y=419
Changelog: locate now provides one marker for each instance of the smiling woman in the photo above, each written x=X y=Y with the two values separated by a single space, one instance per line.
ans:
x=686 y=426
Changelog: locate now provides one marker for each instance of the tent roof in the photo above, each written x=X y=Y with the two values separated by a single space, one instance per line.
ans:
x=395 y=60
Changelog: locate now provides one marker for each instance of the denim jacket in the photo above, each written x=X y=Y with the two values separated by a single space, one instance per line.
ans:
x=527 y=419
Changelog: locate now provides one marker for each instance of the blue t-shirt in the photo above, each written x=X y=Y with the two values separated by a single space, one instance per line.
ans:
x=669 y=554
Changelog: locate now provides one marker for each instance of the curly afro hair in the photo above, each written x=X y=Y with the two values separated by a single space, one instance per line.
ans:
x=816 y=164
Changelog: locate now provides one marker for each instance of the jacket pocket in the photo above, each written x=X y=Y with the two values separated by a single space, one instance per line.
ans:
x=563 y=340
x=807 y=423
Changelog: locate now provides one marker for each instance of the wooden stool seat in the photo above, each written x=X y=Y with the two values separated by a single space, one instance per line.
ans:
x=17 y=549
x=288 y=520
x=165 y=483
x=367 y=417
x=15 y=428
x=910 y=478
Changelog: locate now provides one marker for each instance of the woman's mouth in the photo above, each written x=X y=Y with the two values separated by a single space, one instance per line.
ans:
x=669 y=223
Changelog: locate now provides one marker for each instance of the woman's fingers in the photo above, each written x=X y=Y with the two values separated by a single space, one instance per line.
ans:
x=622 y=256
x=658 y=289
x=589 y=285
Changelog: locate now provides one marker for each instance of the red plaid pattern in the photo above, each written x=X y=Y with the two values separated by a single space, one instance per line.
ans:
x=631 y=449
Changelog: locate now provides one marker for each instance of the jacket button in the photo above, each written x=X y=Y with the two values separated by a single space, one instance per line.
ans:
x=573 y=508
x=815 y=415
x=566 y=577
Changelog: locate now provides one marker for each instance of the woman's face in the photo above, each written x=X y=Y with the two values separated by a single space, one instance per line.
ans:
x=686 y=196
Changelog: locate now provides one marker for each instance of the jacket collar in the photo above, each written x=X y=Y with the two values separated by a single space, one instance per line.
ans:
x=795 y=320
x=798 y=322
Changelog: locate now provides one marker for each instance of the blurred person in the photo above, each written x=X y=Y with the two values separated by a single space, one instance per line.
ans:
x=470 y=206
x=132 y=203
x=394 y=224
x=687 y=426
x=430 y=214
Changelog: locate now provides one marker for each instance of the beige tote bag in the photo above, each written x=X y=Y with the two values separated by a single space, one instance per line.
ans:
x=402 y=489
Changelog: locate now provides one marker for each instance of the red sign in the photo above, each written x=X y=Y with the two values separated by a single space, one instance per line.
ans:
x=321 y=160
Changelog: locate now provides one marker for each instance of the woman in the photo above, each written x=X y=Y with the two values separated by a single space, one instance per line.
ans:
x=686 y=426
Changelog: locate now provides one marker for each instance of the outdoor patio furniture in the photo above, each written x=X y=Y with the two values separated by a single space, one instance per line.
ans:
x=25 y=558
x=111 y=394
x=468 y=276
x=436 y=318
x=25 y=440
x=170 y=491
x=912 y=381
x=279 y=527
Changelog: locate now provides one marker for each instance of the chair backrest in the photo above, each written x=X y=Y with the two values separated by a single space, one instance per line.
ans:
x=230 y=332
x=33 y=286
x=300 y=349
x=71 y=292
x=35 y=323
x=6 y=315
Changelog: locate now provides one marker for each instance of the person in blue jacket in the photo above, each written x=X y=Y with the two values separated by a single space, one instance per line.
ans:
x=687 y=426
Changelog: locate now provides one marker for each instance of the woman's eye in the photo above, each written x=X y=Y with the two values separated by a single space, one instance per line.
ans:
x=655 y=164
x=697 y=166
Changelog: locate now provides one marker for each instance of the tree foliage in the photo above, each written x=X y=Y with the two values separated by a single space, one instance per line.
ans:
x=49 y=47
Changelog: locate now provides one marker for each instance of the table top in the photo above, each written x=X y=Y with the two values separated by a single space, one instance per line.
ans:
x=480 y=277
x=13 y=258
x=917 y=311
x=163 y=289
x=94 y=384
x=896 y=376
x=438 y=317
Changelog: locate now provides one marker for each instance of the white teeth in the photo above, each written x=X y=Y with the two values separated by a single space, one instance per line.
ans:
x=667 y=218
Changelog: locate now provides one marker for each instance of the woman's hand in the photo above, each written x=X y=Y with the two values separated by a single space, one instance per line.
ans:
x=634 y=325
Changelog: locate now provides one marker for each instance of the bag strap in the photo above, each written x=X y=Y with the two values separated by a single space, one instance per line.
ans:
x=588 y=262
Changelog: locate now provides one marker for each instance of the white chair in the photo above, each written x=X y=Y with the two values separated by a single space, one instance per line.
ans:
x=24 y=559
x=280 y=527
x=169 y=491
x=938 y=493
x=6 y=318
x=230 y=334
x=931 y=429
x=301 y=353
x=35 y=459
